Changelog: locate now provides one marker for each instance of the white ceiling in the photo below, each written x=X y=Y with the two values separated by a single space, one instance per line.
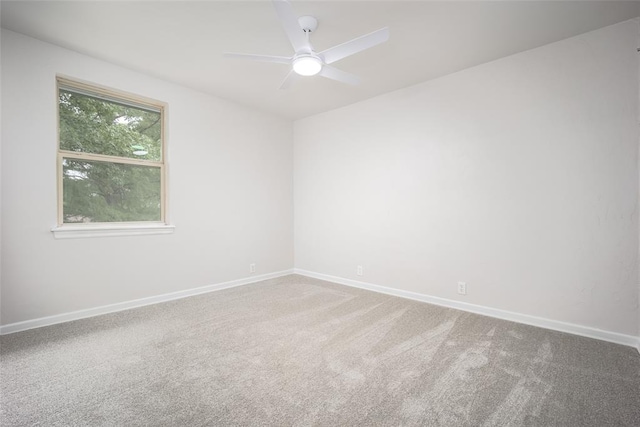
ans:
x=184 y=41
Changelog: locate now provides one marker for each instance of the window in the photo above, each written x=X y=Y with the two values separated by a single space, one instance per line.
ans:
x=111 y=165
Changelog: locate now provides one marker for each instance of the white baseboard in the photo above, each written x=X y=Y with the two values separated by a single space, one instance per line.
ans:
x=126 y=305
x=585 y=331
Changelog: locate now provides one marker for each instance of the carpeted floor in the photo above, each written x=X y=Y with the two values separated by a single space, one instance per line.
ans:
x=298 y=351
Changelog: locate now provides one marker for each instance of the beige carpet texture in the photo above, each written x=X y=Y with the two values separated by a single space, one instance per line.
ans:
x=296 y=351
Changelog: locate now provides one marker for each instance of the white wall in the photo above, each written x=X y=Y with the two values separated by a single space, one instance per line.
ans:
x=519 y=177
x=1 y=183
x=230 y=193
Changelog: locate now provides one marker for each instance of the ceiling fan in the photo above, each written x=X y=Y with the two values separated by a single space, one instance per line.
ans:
x=306 y=61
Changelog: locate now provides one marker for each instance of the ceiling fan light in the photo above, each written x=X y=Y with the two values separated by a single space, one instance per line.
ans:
x=307 y=65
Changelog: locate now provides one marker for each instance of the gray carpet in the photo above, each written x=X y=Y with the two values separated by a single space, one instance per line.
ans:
x=296 y=351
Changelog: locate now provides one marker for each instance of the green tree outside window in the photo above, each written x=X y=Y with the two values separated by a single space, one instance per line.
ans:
x=111 y=155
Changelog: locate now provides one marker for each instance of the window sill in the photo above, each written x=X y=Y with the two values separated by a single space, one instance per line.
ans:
x=75 y=231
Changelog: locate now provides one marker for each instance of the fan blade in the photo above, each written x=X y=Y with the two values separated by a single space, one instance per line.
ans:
x=289 y=21
x=351 y=47
x=263 y=58
x=339 y=75
x=291 y=77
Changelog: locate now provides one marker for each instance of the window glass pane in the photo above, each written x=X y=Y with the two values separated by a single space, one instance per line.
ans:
x=110 y=192
x=93 y=125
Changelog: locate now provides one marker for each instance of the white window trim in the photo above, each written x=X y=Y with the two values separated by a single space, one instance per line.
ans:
x=78 y=231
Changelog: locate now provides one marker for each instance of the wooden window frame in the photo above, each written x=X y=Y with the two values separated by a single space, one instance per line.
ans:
x=95 y=229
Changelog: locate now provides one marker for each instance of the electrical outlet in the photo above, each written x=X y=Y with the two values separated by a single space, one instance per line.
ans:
x=462 y=288
x=252 y=268
x=359 y=270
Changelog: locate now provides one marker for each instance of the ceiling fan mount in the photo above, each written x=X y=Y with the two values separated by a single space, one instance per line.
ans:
x=306 y=61
x=308 y=23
